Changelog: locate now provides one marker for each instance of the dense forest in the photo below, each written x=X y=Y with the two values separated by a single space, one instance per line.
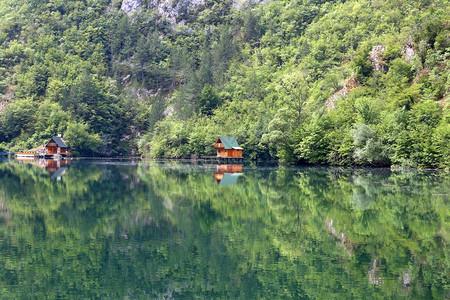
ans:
x=357 y=82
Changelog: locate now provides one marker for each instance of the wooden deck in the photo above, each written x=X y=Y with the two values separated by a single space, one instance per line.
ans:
x=221 y=160
x=42 y=155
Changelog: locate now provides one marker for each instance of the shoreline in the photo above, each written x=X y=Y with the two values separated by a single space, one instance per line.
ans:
x=188 y=160
x=200 y=160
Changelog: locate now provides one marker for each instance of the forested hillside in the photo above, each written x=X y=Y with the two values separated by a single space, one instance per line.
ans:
x=357 y=82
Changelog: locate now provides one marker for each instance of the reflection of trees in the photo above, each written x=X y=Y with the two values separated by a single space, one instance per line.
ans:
x=294 y=208
x=156 y=231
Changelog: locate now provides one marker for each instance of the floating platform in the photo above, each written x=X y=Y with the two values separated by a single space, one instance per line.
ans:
x=27 y=155
x=37 y=155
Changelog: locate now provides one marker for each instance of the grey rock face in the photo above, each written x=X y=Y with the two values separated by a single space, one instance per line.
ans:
x=130 y=6
x=349 y=85
x=240 y=3
x=171 y=9
x=376 y=57
x=409 y=51
x=3 y=105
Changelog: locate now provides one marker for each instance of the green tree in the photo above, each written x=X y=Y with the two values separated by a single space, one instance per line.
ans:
x=81 y=141
x=209 y=100
x=368 y=149
x=295 y=87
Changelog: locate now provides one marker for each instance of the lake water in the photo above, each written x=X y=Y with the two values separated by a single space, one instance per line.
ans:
x=140 y=229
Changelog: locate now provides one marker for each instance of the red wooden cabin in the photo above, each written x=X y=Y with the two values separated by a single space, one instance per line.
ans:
x=57 y=146
x=227 y=146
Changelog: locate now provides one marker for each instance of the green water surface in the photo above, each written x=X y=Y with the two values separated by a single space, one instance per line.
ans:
x=147 y=230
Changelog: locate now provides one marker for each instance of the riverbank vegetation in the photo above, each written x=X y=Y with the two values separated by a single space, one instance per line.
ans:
x=353 y=82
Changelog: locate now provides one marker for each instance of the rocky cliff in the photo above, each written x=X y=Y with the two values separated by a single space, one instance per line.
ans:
x=171 y=9
x=131 y=6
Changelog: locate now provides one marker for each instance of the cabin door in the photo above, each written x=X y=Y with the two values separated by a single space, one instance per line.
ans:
x=51 y=150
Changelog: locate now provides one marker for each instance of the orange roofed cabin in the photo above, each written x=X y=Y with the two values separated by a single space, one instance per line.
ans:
x=227 y=146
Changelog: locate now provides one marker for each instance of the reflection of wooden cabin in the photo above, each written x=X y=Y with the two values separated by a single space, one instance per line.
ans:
x=229 y=169
x=56 y=168
x=227 y=174
x=227 y=146
x=57 y=146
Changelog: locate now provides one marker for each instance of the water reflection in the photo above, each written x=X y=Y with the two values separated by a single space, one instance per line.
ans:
x=147 y=230
x=55 y=167
x=227 y=174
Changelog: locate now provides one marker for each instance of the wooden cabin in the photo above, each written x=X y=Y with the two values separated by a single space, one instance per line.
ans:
x=227 y=146
x=57 y=146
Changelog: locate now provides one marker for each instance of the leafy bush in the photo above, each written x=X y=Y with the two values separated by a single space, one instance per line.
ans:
x=368 y=149
x=81 y=142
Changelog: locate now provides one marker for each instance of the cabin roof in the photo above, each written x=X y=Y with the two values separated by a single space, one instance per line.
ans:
x=59 y=142
x=229 y=142
x=59 y=172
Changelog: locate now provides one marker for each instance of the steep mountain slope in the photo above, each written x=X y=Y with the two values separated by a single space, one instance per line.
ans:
x=166 y=77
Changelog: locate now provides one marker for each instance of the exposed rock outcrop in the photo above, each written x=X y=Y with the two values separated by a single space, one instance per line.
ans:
x=169 y=110
x=171 y=9
x=376 y=57
x=3 y=105
x=131 y=6
x=409 y=52
x=9 y=95
x=241 y=3
x=351 y=83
